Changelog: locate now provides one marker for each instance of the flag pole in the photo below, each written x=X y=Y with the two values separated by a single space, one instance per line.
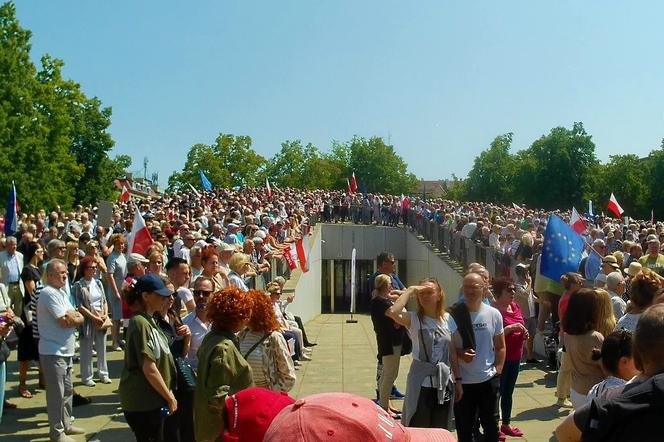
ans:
x=352 y=287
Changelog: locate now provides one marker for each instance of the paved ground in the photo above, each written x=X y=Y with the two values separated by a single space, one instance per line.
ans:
x=344 y=360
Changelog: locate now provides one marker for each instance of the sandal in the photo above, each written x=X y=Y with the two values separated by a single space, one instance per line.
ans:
x=24 y=392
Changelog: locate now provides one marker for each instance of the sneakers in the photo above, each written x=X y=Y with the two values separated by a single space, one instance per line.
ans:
x=89 y=383
x=396 y=394
x=564 y=402
x=511 y=431
x=304 y=357
x=105 y=380
x=502 y=436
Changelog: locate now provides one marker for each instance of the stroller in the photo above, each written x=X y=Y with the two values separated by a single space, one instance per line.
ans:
x=551 y=343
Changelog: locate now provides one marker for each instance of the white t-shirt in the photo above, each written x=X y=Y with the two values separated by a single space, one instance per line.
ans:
x=441 y=332
x=53 y=339
x=198 y=331
x=487 y=323
x=95 y=293
x=628 y=322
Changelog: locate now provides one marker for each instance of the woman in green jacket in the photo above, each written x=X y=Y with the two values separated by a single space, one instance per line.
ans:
x=222 y=371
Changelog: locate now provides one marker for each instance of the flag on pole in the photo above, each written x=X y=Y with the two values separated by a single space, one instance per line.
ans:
x=516 y=206
x=195 y=191
x=125 y=195
x=562 y=249
x=268 y=190
x=353 y=183
x=652 y=217
x=291 y=257
x=205 y=183
x=578 y=224
x=139 y=238
x=614 y=206
x=348 y=186
x=302 y=247
x=11 y=218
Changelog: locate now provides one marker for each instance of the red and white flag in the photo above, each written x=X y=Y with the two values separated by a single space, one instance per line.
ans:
x=578 y=224
x=302 y=247
x=125 y=195
x=268 y=190
x=350 y=192
x=614 y=206
x=139 y=238
x=290 y=255
x=353 y=184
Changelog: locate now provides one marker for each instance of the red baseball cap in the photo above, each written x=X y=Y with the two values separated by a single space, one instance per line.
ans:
x=249 y=413
x=344 y=417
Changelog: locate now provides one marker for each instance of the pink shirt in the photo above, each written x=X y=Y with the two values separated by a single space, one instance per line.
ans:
x=513 y=341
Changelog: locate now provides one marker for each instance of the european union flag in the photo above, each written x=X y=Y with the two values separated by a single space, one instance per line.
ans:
x=207 y=185
x=562 y=249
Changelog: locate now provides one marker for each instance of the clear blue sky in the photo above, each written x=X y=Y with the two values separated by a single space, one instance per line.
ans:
x=440 y=78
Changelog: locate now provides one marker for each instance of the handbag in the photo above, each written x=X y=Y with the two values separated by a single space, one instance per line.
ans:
x=186 y=375
x=4 y=351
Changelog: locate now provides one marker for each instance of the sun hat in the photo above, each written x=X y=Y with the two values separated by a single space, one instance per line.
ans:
x=634 y=268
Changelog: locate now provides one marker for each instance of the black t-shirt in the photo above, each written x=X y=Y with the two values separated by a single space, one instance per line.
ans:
x=388 y=332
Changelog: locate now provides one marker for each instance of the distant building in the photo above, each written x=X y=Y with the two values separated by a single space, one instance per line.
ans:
x=139 y=187
x=432 y=188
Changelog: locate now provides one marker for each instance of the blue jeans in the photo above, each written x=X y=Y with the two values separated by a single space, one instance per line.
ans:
x=507 y=383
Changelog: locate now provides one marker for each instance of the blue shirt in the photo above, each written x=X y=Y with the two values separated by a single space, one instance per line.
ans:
x=593 y=264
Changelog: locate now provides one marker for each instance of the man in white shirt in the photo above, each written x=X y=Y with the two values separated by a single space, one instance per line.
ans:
x=480 y=367
x=57 y=322
x=11 y=266
x=197 y=320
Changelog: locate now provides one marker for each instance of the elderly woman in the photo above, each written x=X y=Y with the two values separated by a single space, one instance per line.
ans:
x=91 y=302
x=210 y=262
x=149 y=373
x=222 y=371
x=429 y=398
x=264 y=347
x=92 y=249
x=116 y=271
x=240 y=265
x=516 y=334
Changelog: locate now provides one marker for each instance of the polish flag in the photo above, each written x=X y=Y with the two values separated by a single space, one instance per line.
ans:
x=353 y=184
x=139 y=238
x=302 y=247
x=577 y=223
x=350 y=191
x=124 y=196
x=268 y=191
x=290 y=256
x=614 y=206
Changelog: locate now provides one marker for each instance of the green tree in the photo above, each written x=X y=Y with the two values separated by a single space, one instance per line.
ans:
x=376 y=165
x=556 y=171
x=627 y=177
x=229 y=162
x=492 y=176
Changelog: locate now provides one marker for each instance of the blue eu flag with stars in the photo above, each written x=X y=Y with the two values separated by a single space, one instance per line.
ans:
x=205 y=183
x=562 y=249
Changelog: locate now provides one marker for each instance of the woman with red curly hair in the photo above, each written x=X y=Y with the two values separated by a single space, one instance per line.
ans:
x=222 y=371
x=264 y=347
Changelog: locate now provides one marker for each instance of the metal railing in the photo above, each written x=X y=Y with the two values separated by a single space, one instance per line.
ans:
x=460 y=249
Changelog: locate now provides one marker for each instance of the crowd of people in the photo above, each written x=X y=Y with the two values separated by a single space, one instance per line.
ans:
x=201 y=318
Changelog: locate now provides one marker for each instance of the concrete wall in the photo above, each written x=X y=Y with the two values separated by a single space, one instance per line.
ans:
x=307 y=286
x=369 y=241
x=423 y=262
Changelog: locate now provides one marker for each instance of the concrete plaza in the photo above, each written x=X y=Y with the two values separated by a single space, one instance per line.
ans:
x=344 y=360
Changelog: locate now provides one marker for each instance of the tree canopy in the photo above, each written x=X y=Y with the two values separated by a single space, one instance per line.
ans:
x=53 y=138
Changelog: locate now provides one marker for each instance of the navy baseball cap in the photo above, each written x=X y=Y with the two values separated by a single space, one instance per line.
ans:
x=152 y=283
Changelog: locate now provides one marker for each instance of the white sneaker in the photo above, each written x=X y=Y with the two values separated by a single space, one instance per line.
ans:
x=304 y=357
x=89 y=383
x=105 y=380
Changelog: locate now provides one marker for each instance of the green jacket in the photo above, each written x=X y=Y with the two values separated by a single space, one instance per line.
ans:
x=222 y=371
